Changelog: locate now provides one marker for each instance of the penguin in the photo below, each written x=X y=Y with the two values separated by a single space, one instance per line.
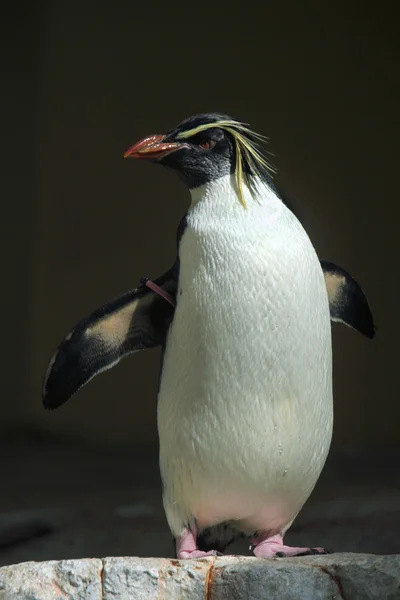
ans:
x=243 y=317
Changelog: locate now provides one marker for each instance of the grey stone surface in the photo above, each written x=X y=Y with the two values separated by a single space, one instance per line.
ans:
x=336 y=576
x=53 y=580
x=148 y=578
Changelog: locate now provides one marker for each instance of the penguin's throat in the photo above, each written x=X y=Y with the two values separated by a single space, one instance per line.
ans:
x=226 y=188
x=220 y=199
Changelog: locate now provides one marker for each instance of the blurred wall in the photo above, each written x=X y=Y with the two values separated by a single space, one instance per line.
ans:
x=321 y=82
x=19 y=111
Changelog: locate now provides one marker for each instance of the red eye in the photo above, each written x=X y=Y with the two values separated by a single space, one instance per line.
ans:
x=207 y=145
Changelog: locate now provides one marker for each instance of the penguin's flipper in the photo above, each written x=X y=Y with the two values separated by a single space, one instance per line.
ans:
x=347 y=301
x=137 y=320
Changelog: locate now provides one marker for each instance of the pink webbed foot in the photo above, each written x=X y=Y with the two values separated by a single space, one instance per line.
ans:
x=273 y=547
x=186 y=547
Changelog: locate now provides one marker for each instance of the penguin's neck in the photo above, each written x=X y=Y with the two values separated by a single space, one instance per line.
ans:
x=219 y=200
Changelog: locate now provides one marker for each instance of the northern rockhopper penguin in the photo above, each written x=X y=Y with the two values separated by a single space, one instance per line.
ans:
x=243 y=318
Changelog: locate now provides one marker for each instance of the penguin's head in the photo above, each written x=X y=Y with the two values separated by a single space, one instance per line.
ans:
x=204 y=148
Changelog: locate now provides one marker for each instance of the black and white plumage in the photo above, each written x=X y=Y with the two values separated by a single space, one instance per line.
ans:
x=247 y=348
x=347 y=301
x=137 y=320
x=140 y=319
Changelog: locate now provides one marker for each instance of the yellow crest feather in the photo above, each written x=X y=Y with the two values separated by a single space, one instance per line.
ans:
x=246 y=149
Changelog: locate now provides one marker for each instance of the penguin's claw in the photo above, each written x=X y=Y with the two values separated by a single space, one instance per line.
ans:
x=312 y=551
x=273 y=547
x=281 y=551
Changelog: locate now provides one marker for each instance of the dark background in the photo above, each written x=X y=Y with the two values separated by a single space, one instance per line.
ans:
x=79 y=225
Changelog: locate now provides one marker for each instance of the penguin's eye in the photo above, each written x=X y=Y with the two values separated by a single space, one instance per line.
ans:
x=207 y=145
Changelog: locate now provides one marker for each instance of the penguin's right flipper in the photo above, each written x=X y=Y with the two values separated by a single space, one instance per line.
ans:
x=347 y=302
x=136 y=320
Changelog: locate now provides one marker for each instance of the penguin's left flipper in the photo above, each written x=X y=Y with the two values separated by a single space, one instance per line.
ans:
x=347 y=301
x=135 y=321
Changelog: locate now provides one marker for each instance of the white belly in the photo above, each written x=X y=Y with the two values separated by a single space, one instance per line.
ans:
x=245 y=402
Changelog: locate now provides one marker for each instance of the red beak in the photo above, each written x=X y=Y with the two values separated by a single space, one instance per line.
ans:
x=153 y=148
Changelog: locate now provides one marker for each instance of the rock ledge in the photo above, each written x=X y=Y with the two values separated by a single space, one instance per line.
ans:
x=335 y=576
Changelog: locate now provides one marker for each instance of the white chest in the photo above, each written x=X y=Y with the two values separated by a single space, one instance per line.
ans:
x=245 y=397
